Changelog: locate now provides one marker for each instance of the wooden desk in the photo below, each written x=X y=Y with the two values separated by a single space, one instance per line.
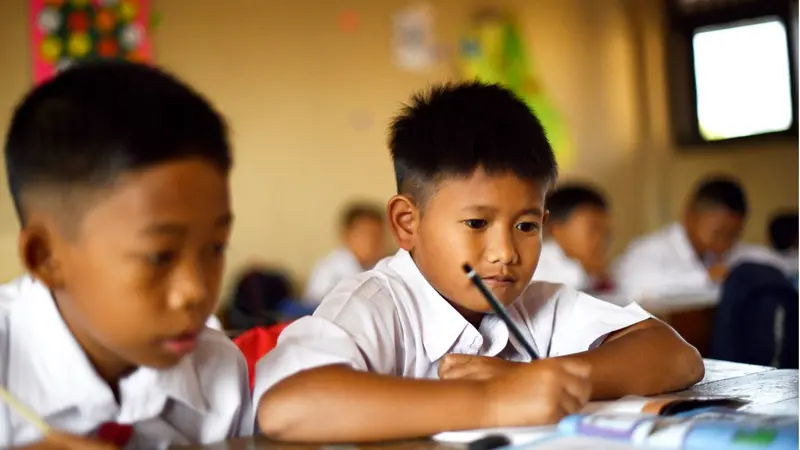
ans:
x=768 y=390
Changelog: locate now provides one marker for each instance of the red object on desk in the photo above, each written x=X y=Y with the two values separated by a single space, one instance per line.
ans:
x=257 y=342
x=114 y=433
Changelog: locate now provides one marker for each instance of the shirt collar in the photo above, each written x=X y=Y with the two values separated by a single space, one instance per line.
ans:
x=440 y=324
x=52 y=373
x=179 y=383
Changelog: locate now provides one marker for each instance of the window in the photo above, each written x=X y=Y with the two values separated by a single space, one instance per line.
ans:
x=742 y=79
x=732 y=71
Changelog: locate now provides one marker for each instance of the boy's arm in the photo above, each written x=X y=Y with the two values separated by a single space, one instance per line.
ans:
x=647 y=358
x=339 y=404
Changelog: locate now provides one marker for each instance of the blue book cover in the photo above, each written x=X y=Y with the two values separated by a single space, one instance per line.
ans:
x=713 y=428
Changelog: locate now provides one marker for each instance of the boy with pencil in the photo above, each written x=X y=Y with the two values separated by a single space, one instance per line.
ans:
x=119 y=174
x=411 y=348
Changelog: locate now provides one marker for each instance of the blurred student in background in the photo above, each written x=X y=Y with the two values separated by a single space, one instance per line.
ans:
x=363 y=235
x=696 y=254
x=578 y=230
x=783 y=234
x=756 y=319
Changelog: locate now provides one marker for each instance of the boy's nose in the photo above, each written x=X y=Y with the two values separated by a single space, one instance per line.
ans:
x=189 y=289
x=502 y=249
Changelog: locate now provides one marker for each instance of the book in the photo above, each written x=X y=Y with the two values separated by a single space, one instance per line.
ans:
x=663 y=423
x=661 y=406
x=666 y=405
x=711 y=428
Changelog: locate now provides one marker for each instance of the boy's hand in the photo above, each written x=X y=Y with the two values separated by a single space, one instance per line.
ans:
x=467 y=367
x=538 y=393
x=58 y=441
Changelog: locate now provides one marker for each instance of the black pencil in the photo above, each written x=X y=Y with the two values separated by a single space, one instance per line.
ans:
x=499 y=309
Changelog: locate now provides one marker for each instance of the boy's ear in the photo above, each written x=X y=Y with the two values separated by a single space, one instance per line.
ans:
x=403 y=218
x=38 y=253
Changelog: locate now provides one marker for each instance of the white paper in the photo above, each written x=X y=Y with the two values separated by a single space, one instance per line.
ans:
x=516 y=435
x=412 y=38
x=629 y=404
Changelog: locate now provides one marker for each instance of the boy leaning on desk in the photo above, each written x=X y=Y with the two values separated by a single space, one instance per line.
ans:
x=473 y=166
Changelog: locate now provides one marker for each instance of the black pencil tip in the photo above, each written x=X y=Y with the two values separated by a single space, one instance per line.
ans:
x=466 y=267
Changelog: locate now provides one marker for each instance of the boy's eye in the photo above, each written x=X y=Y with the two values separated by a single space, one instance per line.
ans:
x=160 y=259
x=218 y=249
x=476 y=224
x=527 y=227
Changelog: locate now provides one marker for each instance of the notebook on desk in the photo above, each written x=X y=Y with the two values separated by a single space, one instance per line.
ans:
x=662 y=406
x=712 y=428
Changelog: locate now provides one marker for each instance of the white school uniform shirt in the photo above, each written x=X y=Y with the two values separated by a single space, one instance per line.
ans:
x=556 y=267
x=790 y=260
x=203 y=399
x=335 y=267
x=390 y=320
x=14 y=289
x=214 y=323
x=665 y=263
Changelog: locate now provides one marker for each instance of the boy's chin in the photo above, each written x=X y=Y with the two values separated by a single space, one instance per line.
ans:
x=160 y=360
x=481 y=305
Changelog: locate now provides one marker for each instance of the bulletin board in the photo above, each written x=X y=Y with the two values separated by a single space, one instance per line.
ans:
x=65 y=31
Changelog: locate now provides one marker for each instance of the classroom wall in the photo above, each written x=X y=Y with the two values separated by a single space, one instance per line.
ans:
x=308 y=106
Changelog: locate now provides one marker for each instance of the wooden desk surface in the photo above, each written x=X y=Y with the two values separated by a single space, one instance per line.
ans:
x=768 y=390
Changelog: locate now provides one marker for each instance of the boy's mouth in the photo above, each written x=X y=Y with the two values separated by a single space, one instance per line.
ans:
x=498 y=281
x=183 y=343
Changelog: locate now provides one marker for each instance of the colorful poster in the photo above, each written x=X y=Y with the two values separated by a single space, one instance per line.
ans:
x=412 y=38
x=494 y=51
x=65 y=31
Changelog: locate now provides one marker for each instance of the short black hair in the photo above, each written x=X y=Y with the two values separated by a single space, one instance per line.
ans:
x=565 y=199
x=453 y=129
x=97 y=120
x=783 y=230
x=720 y=191
x=360 y=210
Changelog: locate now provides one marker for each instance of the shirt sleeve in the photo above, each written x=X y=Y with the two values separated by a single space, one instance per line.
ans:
x=355 y=326
x=581 y=322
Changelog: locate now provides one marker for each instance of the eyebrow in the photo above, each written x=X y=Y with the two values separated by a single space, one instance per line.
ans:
x=179 y=229
x=536 y=211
